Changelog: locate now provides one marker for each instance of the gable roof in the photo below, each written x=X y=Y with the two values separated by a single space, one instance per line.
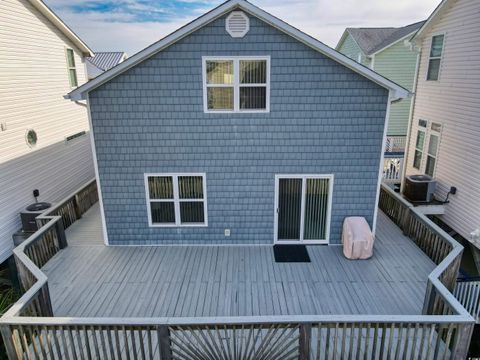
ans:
x=439 y=10
x=81 y=92
x=107 y=60
x=374 y=40
x=60 y=25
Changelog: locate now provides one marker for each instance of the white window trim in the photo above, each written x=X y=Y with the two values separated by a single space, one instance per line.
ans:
x=236 y=84
x=427 y=143
x=424 y=130
x=71 y=68
x=304 y=177
x=436 y=57
x=176 y=200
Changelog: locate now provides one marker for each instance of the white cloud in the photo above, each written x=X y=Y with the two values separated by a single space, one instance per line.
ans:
x=324 y=19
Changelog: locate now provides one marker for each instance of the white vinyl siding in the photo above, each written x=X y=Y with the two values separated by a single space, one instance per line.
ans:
x=176 y=199
x=453 y=102
x=33 y=80
x=236 y=84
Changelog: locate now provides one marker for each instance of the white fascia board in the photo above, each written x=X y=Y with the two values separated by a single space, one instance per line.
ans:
x=59 y=24
x=438 y=10
x=81 y=92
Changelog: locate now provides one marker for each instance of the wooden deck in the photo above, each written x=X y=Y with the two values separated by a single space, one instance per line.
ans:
x=90 y=279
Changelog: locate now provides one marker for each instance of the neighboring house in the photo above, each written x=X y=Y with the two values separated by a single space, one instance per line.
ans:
x=237 y=129
x=445 y=131
x=103 y=61
x=44 y=140
x=387 y=51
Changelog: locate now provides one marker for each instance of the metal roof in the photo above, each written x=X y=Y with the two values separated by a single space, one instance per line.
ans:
x=107 y=60
x=371 y=40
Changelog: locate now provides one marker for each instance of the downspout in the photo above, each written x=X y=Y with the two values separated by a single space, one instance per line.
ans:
x=410 y=115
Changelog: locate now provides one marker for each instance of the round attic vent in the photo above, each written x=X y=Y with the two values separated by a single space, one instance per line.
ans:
x=237 y=24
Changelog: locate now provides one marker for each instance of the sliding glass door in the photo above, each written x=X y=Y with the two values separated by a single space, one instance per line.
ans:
x=303 y=205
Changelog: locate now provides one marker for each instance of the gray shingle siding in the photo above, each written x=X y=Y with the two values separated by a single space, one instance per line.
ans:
x=323 y=119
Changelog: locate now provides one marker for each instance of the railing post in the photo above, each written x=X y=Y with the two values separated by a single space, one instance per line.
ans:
x=164 y=342
x=462 y=343
x=305 y=341
x=76 y=207
x=60 y=231
x=429 y=299
x=8 y=341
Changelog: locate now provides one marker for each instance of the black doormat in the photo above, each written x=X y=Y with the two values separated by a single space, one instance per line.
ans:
x=290 y=253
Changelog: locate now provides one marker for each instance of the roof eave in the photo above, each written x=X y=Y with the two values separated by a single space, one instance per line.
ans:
x=81 y=92
x=393 y=43
x=438 y=10
x=55 y=20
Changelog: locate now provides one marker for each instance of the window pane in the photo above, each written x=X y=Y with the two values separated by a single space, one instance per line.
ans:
x=417 y=160
x=436 y=127
x=73 y=77
x=422 y=123
x=160 y=187
x=289 y=208
x=253 y=97
x=433 y=145
x=433 y=69
x=220 y=98
x=253 y=71
x=437 y=46
x=190 y=187
x=430 y=167
x=420 y=140
x=70 y=58
x=316 y=205
x=162 y=212
x=191 y=212
x=220 y=72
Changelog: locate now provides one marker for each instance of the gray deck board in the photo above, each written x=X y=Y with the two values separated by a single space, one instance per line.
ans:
x=90 y=279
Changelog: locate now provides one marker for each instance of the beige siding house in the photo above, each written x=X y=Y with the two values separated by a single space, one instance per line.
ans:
x=44 y=139
x=445 y=133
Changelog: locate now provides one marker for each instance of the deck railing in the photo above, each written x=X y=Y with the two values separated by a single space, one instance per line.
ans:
x=395 y=143
x=392 y=169
x=443 y=331
x=468 y=293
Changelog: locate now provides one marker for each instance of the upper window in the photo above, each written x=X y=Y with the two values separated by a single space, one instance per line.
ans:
x=436 y=50
x=236 y=84
x=176 y=199
x=72 y=72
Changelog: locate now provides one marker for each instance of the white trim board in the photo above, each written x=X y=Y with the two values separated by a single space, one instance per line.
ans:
x=397 y=91
x=303 y=177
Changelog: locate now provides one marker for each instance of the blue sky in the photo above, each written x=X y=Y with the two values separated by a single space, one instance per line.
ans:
x=131 y=25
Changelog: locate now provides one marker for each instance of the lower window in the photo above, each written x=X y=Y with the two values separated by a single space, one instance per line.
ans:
x=176 y=199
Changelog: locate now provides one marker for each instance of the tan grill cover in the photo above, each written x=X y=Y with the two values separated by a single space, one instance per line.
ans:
x=357 y=238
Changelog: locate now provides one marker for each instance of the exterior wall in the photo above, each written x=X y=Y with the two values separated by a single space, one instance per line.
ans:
x=323 y=119
x=34 y=78
x=398 y=63
x=453 y=101
x=350 y=48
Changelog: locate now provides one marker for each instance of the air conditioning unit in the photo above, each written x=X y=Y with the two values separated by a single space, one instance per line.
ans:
x=419 y=188
x=28 y=216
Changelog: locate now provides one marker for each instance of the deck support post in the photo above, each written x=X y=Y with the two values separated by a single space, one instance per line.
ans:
x=8 y=341
x=164 y=342
x=462 y=343
x=429 y=299
x=76 y=207
x=304 y=341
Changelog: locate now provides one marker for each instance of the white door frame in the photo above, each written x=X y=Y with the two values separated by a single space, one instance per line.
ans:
x=304 y=178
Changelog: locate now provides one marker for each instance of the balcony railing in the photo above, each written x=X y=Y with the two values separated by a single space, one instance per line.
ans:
x=396 y=144
x=442 y=331
x=392 y=169
x=468 y=293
